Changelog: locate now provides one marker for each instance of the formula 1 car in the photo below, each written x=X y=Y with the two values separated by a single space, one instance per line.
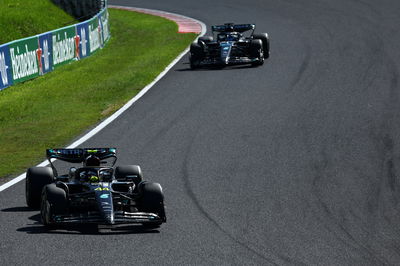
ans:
x=229 y=46
x=93 y=193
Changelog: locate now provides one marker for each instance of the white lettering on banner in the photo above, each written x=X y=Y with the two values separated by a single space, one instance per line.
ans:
x=63 y=50
x=94 y=39
x=24 y=64
x=46 y=55
x=3 y=69
x=83 y=41
x=104 y=20
x=100 y=34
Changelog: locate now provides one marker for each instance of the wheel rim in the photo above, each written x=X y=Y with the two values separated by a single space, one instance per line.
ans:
x=45 y=211
x=27 y=192
x=47 y=216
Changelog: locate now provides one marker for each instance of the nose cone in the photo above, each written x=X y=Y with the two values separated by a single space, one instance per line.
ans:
x=105 y=204
x=225 y=51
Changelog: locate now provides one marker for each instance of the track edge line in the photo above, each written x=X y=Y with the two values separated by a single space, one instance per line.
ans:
x=114 y=116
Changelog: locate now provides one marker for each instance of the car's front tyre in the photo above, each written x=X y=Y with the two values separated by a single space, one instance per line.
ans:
x=152 y=201
x=196 y=55
x=265 y=42
x=53 y=202
x=257 y=52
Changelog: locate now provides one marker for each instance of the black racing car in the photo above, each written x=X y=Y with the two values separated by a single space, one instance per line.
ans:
x=229 y=46
x=94 y=193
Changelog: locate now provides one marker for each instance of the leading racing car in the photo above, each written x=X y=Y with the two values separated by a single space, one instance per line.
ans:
x=93 y=193
x=229 y=46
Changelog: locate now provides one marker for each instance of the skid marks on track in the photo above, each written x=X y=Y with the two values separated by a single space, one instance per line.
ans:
x=273 y=258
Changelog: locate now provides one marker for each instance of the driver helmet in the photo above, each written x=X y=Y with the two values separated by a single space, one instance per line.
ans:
x=221 y=37
x=93 y=179
x=88 y=176
x=92 y=160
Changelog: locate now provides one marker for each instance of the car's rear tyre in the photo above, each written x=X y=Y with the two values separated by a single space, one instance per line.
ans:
x=36 y=179
x=54 y=202
x=152 y=200
x=205 y=39
x=265 y=42
x=196 y=55
x=129 y=173
x=257 y=52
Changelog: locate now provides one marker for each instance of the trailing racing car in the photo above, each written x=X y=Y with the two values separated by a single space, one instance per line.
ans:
x=93 y=193
x=229 y=46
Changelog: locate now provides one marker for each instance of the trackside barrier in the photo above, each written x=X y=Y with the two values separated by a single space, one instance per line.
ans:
x=31 y=57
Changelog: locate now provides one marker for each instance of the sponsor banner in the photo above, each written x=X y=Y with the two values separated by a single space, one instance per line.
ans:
x=5 y=67
x=64 y=50
x=95 y=37
x=82 y=38
x=24 y=59
x=45 y=53
x=105 y=26
x=28 y=58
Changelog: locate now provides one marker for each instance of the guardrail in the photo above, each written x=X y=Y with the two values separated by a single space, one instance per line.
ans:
x=31 y=57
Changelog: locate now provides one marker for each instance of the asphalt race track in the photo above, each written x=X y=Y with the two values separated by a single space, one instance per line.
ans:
x=294 y=162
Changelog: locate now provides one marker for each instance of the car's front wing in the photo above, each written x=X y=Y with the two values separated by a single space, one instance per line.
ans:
x=120 y=217
x=230 y=61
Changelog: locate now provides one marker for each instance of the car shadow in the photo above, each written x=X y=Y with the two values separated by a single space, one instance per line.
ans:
x=214 y=68
x=36 y=227
x=18 y=209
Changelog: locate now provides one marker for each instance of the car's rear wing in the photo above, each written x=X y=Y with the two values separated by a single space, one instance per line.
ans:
x=80 y=155
x=230 y=27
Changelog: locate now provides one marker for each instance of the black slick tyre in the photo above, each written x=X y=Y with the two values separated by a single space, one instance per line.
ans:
x=129 y=173
x=257 y=52
x=205 y=39
x=265 y=42
x=196 y=55
x=53 y=202
x=36 y=179
x=152 y=201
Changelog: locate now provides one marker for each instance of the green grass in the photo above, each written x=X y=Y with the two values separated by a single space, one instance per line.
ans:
x=52 y=109
x=24 y=18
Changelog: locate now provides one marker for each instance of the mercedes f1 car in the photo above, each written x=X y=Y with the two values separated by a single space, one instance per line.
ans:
x=93 y=193
x=229 y=46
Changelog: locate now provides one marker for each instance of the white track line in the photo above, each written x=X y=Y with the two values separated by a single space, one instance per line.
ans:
x=123 y=108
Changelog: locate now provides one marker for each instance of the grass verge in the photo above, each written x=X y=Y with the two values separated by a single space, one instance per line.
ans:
x=52 y=109
x=24 y=18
